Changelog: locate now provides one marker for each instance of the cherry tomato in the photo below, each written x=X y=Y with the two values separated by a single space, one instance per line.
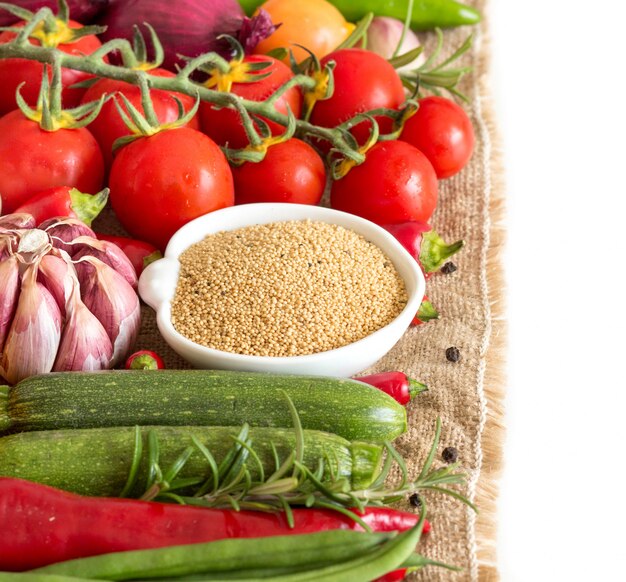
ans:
x=396 y=183
x=315 y=24
x=161 y=182
x=13 y=72
x=32 y=160
x=109 y=126
x=363 y=81
x=224 y=125
x=291 y=171
x=443 y=132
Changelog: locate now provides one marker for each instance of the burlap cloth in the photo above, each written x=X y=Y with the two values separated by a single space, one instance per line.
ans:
x=467 y=394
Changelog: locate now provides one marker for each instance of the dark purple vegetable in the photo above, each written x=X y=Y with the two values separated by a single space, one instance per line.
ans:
x=84 y=11
x=186 y=27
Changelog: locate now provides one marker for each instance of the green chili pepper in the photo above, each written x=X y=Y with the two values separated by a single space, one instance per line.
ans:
x=425 y=15
x=292 y=553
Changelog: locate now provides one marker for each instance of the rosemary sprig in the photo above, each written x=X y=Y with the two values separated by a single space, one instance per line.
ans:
x=436 y=77
x=229 y=484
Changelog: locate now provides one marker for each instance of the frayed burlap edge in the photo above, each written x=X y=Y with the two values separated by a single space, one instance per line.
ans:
x=495 y=375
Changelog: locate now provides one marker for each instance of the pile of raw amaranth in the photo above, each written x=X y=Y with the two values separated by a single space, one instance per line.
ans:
x=285 y=289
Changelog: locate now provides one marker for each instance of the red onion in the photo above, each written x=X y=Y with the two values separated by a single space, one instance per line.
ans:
x=185 y=27
x=81 y=10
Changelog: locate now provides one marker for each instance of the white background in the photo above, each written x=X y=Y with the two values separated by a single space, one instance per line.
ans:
x=559 y=78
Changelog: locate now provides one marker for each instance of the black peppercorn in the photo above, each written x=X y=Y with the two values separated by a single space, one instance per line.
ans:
x=453 y=354
x=448 y=268
x=415 y=500
x=450 y=455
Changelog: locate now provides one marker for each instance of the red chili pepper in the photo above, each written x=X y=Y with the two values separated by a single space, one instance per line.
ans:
x=144 y=360
x=397 y=384
x=140 y=253
x=394 y=576
x=424 y=244
x=65 y=201
x=425 y=313
x=48 y=525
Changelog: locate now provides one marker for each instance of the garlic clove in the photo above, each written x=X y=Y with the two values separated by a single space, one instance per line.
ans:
x=9 y=294
x=63 y=231
x=108 y=253
x=33 y=339
x=57 y=274
x=85 y=345
x=113 y=301
x=17 y=221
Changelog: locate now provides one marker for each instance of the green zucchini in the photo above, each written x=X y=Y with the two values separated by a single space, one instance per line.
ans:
x=351 y=409
x=97 y=461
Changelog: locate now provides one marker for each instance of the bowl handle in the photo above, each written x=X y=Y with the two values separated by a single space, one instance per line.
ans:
x=158 y=282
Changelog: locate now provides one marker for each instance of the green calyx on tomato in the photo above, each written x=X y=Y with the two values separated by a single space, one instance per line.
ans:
x=137 y=58
x=146 y=125
x=48 y=29
x=260 y=142
x=324 y=84
x=223 y=73
x=49 y=112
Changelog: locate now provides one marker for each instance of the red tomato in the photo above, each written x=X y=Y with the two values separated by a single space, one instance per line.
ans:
x=32 y=160
x=396 y=183
x=224 y=125
x=443 y=132
x=161 y=182
x=291 y=171
x=363 y=81
x=109 y=126
x=16 y=71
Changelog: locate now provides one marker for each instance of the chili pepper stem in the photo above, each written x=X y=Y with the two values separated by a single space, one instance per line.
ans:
x=416 y=388
x=435 y=251
x=88 y=206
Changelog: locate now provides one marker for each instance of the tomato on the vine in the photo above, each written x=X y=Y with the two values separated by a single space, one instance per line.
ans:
x=291 y=171
x=363 y=81
x=32 y=160
x=443 y=132
x=395 y=183
x=160 y=183
x=224 y=125
x=109 y=125
x=13 y=72
x=314 y=24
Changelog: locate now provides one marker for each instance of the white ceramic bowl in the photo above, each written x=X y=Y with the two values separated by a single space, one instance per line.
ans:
x=157 y=286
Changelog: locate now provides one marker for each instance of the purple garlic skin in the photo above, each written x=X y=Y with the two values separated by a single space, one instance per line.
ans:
x=63 y=231
x=110 y=254
x=20 y=220
x=85 y=345
x=9 y=294
x=35 y=333
x=113 y=301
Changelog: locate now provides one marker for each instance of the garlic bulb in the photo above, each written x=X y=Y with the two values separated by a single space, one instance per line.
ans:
x=59 y=312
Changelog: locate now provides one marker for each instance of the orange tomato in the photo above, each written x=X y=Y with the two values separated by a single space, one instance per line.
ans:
x=315 y=24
